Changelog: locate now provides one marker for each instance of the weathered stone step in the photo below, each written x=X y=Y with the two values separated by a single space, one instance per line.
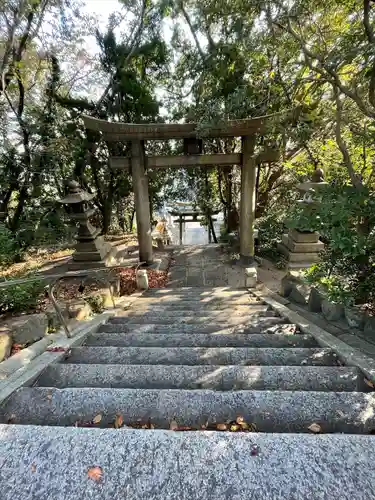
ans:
x=199 y=340
x=183 y=465
x=271 y=411
x=197 y=291
x=178 y=318
x=257 y=325
x=193 y=300
x=195 y=307
x=182 y=314
x=200 y=356
x=215 y=377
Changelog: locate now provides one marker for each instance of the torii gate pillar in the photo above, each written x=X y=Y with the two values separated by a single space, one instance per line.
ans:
x=248 y=198
x=142 y=202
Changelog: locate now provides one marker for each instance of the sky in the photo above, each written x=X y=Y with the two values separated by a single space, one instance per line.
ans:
x=102 y=8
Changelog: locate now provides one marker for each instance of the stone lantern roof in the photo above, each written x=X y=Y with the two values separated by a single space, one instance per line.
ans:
x=76 y=194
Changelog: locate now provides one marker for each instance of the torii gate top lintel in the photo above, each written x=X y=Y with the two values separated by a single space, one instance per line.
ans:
x=165 y=131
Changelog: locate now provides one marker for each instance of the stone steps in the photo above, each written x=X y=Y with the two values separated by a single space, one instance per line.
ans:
x=180 y=317
x=192 y=301
x=258 y=325
x=201 y=356
x=214 y=377
x=271 y=411
x=193 y=355
x=219 y=339
x=187 y=466
x=192 y=308
x=196 y=291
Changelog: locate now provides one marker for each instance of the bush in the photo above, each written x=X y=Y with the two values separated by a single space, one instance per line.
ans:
x=346 y=219
x=9 y=249
x=271 y=228
x=23 y=297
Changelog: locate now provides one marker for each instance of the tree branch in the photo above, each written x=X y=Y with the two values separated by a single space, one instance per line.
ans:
x=133 y=47
x=323 y=69
x=340 y=141
x=189 y=23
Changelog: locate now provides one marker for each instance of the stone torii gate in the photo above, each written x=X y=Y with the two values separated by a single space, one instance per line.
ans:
x=139 y=164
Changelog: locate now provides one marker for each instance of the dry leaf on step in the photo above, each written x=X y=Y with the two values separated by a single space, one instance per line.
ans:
x=240 y=420
x=97 y=419
x=49 y=397
x=119 y=421
x=95 y=473
x=33 y=467
x=11 y=419
x=221 y=427
x=234 y=427
x=369 y=383
x=315 y=428
x=173 y=426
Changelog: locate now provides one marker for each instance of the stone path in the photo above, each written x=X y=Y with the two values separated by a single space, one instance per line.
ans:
x=204 y=265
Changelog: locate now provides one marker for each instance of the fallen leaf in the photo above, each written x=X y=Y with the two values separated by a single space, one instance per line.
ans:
x=11 y=419
x=97 y=419
x=369 y=383
x=240 y=420
x=33 y=467
x=234 y=427
x=68 y=354
x=152 y=426
x=315 y=428
x=95 y=473
x=49 y=396
x=119 y=421
x=254 y=451
x=221 y=427
x=173 y=426
x=56 y=349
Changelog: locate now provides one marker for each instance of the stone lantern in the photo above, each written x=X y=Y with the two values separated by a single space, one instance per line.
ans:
x=302 y=247
x=91 y=250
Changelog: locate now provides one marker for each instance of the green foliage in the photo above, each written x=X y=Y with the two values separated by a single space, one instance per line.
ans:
x=22 y=298
x=9 y=248
x=346 y=220
x=96 y=303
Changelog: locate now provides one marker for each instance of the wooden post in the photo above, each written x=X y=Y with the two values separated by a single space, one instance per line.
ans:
x=142 y=203
x=247 y=206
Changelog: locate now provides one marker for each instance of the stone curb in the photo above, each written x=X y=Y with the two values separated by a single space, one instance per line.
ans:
x=347 y=354
x=33 y=360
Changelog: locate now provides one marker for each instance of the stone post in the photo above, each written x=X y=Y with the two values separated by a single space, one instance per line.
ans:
x=142 y=202
x=180 y=226
x=248 y=198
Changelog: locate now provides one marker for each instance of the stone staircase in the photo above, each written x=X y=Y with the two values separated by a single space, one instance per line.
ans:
x=194 y=357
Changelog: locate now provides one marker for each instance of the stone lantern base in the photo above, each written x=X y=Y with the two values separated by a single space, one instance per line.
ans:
x=301 y=249
x=93 y=254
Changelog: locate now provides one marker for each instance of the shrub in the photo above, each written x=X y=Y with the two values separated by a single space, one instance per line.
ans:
x=9 y=249
x=96 y=303
x=23 y=297
x=346 y=219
